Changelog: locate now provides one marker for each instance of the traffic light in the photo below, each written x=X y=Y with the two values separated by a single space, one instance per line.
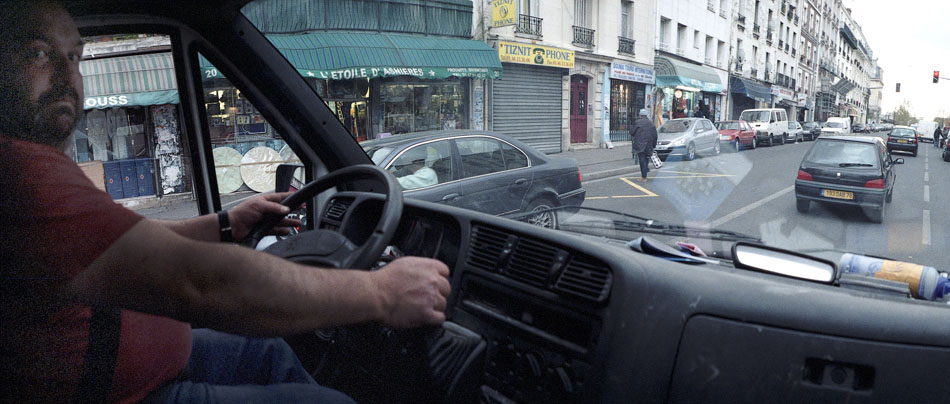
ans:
x=936 y=76
x=898 y=88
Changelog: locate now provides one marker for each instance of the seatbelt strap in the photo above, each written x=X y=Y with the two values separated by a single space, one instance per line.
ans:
x=99 y=362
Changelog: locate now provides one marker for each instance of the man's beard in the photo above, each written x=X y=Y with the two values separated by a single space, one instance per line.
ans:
x=41 y=121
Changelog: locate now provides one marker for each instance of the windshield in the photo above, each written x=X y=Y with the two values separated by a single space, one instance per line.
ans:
x=901 y=132
x=558 y=114
x=755 y=116
x=727 y=125
x=675 y=126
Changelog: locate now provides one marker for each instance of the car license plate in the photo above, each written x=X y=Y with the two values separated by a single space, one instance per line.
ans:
x=830 y=193
x=901 y=141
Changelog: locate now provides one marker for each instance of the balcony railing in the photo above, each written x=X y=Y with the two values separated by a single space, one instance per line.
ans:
x=528 y=25
x=768 y=37
x=754 y=72
x=626 y=46
x=786 y=48
x=741 y=20
x=755 y=29
x=739 y=67
x=711 y=5
x=793 y=52
x=709 y=61
x=680 y=51
x=781 y=43
x=583 y=37
x=663 y=46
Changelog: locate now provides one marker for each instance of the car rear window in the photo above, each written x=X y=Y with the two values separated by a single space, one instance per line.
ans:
x=727 y=125
x=834 y=125
x=842 y=153
x=902 y=133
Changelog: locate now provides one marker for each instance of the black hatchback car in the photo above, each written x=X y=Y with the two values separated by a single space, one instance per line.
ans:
x=483 y=171
x=902 y=138
x=856 y=171
x=811 y=130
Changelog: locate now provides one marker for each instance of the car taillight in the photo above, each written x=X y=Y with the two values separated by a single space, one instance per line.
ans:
x=878 y=183
x=915 y=140
x=890 y=139
x=579 y=178
x=804 y=176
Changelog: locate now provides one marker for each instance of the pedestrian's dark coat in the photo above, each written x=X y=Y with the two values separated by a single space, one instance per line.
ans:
x=643 y=135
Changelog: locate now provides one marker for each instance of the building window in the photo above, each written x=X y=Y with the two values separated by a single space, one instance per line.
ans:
x=581 y=13
x=626 y=19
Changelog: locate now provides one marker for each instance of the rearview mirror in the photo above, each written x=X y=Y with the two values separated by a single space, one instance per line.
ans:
x=782 y=262
x=290 y=177
x=899 y=161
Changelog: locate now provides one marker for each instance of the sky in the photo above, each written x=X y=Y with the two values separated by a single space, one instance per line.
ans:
x=910 y=39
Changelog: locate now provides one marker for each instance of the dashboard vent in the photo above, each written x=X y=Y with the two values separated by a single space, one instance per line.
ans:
x=585 y=277
x=337 y=208
x=487 y=247
x=533 y=262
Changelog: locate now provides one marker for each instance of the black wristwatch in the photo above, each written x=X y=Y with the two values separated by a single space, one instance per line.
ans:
x=224 y=225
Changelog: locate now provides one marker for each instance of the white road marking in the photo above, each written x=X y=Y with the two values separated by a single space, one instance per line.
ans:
x=926 y=193
x=926 y=166
x=925 y=237
x=926 y=176
x=749 y=207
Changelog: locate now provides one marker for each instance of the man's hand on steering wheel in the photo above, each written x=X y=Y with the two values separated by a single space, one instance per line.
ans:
x=245 y=215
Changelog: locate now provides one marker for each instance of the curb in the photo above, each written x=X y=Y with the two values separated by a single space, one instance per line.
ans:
x=609 y=173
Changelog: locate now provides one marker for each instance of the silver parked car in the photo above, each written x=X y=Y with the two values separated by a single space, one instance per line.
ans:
x=686 y=137
x=795 y=132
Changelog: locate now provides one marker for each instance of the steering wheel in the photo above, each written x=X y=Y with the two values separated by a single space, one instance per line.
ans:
x=327 y=247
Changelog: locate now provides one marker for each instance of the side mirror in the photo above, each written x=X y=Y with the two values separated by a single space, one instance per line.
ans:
x=290 y=177
x=782 y=262
x=899 y=161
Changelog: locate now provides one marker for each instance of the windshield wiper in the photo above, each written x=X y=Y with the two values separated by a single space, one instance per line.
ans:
x=855 y=165
x=647 y=225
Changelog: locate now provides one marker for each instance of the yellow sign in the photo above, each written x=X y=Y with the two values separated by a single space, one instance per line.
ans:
x=511 y=52
x=503 y=12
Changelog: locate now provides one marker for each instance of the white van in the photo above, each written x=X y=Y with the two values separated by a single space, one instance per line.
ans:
x=770 y=124
x=836 y=126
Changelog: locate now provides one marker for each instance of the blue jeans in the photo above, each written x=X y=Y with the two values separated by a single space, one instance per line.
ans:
x=225 y=368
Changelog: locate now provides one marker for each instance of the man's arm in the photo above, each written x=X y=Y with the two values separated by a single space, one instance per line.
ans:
x=152 y=269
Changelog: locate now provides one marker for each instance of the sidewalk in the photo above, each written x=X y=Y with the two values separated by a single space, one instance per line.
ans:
x=602 y=163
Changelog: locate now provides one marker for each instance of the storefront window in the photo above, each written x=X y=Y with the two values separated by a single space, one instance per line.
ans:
x=626 y=101
x=111 y=134
x=349 y=101
x=677 y=103
x=232 y=118
x=416 y=107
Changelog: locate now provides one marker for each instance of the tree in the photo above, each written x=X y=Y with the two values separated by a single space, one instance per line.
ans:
x=902 y=115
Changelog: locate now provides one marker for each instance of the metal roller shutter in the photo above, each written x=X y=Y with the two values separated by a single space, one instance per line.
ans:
x=526 y=105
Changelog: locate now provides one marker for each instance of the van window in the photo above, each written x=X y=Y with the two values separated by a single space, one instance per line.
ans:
x=754 y=116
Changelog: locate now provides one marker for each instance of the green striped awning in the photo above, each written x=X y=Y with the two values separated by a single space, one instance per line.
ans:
x=129 y=80
x=348 y=55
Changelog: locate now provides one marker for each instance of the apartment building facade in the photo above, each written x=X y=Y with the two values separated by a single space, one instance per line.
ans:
x=574 y=73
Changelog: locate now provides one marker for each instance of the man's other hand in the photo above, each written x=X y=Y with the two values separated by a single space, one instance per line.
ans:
x=414 y=291
x=244 y=216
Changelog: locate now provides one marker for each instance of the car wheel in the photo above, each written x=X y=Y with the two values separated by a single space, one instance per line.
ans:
x=755 y=141
x=690 y=151
x=738 y=146
x=547 y=220
x=771 y=141
x=889 y=196
x=717 y=148
x=915 y=153
x=782 y=140
x=802 y=205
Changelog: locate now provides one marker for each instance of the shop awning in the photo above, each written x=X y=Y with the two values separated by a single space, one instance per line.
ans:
x=676 y=73
x=349 y=55
x=750 y=89
x=129 y=81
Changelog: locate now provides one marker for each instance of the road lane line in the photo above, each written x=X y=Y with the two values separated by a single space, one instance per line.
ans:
x=925 y=237
x=926 y=193
x=642 y=189
x=926 y=176
x=926 y=166
x=749 y=207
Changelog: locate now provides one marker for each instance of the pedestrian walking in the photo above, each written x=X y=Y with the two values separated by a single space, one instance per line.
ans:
x=643 y=134
x=937 y=134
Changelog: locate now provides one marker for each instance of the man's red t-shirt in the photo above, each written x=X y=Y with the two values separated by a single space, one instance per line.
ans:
x=53 y=224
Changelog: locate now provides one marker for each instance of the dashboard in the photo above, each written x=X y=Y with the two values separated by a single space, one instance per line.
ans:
x=560 y=318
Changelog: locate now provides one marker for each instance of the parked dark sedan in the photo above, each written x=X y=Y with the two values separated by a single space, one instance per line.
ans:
x=859 y=128
x=811 y=130
x=852 y=170
x=483 y=171
x=903 y=138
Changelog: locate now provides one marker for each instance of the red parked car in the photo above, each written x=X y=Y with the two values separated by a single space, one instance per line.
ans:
x=737 y=134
